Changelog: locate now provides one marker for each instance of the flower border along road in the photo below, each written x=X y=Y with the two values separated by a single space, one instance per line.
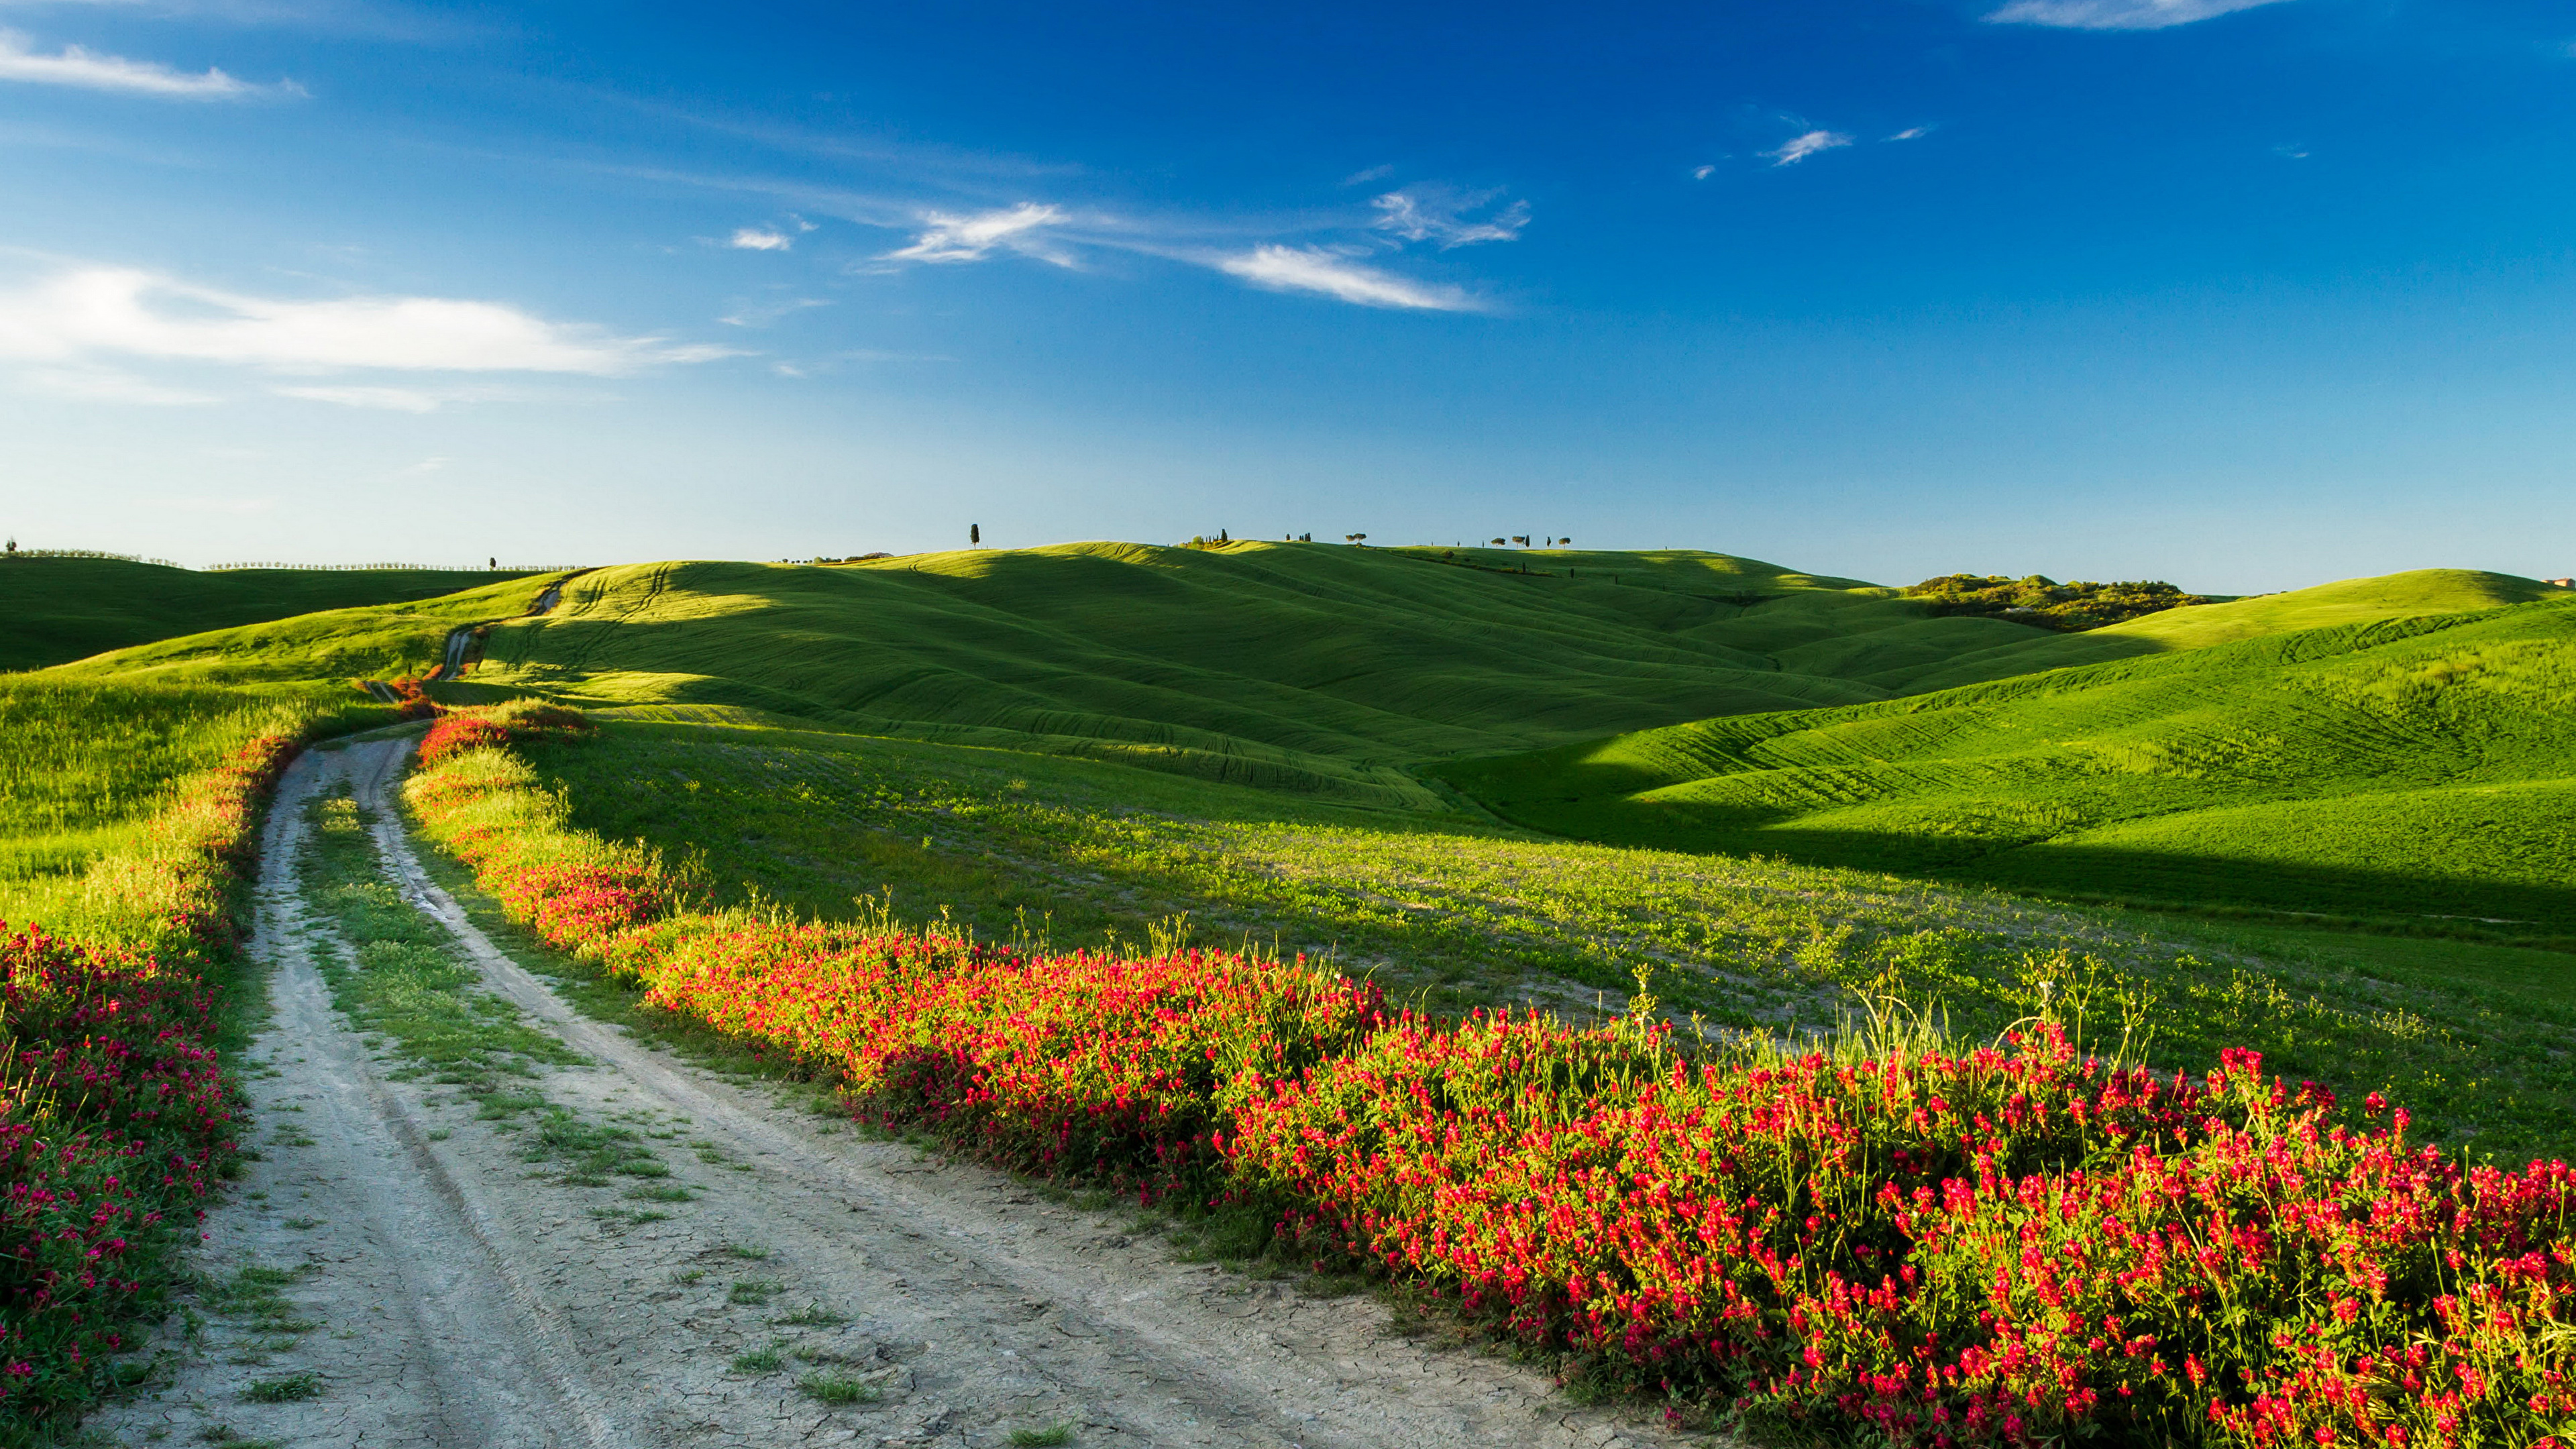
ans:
x=1898 y=1238
x=116 y=1118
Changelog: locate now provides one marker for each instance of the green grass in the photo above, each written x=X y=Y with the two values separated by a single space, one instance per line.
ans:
x=88 y=764
x=834 y=1388
x=2415 y=771
x=403 y=980
x=2409 y=595
x=401 y=976
x=1305 y=668
x=335 y=646
x=285 y=1390
x=62 y=609
x=1452 y=913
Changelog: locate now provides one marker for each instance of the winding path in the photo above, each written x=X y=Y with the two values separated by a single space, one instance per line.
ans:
x=464 y=1301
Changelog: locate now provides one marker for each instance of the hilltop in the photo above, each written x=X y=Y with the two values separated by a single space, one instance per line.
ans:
x=1307 y=667
x=2398 y=757
x=62 y=609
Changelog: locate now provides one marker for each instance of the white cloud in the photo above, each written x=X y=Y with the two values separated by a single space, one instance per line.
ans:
x=761 y=314
x=1912 y=133
x=85 y=311
x=1311 y=269
x=1799 y=148
x=761 y=239
x=390 y=399
x=2117 y=14
x=78 y=66
x=1702 y=173
x=946 y=238
x=1436 y=215
x=107 y=384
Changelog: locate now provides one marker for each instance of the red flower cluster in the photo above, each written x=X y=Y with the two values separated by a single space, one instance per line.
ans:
x=458 y=731
x=412 y=696
x=115 y=1116
x=2002 y=1247
x=1987 y=1247
x=1083 y=1064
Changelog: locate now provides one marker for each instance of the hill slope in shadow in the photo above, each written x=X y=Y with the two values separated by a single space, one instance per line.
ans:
x=62 y=609
x=2411 y=764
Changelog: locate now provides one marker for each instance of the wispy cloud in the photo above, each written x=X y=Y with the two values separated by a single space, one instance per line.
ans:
x=760 y=239
x=1436 y=214
x=388 y=399
x=1332 y=274
x=1911 y=133
x=761 y=314
x=91 y=383
x=973 y=237
x=80 y=314
x=87 y=69
x=430 y=397
x=2117 y=14
x=1799 y=148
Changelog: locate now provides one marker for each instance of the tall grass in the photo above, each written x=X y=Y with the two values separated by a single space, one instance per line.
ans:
x=99 y=830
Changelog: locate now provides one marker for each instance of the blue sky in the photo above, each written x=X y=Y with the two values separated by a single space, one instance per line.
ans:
x=2242 y=295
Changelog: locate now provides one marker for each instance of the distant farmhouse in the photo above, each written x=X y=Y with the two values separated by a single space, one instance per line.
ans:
x=2560 y=583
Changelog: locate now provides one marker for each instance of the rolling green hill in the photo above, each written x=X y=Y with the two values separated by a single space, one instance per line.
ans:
x=337 y=646
x=1307 y=667
x=2391 y=763
x=2349 y=601
x=60 y=609
x=1313 y=668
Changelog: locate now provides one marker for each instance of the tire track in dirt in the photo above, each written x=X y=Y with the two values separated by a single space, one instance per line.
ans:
x=962 y=1305
x=434 y=1335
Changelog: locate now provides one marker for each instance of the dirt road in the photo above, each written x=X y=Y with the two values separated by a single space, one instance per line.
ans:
x=428 y=1287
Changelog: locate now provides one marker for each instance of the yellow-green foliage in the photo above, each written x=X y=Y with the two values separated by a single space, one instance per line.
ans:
x=61 y=609
x=386 y=641
x=2048 y=603
x=99 y=839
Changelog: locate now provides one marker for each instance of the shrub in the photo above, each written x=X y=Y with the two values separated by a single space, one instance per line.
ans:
x=2047 y=603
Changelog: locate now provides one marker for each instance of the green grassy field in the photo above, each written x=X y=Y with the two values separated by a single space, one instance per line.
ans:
x=62 y=609
x=88 y=764
x=331 y=648
x=1326 y=670
x=2409 y=768
x=1454 y=913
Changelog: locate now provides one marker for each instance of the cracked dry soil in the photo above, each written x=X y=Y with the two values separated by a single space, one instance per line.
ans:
x=429 y=1288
